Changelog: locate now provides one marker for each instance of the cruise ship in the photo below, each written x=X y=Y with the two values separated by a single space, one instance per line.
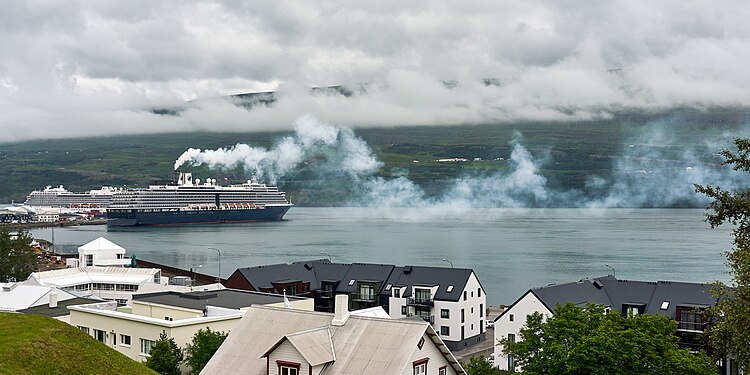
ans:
x=193 y=202
x=59 y=197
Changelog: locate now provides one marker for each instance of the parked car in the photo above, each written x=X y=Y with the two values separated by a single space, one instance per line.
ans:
x=490 y=324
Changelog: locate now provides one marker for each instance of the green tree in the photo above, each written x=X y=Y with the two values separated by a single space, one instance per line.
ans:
x=589 y=341
x=165 y=356
x=730 y=335
x=203 y=346
x=17 y=257
x=479 y=365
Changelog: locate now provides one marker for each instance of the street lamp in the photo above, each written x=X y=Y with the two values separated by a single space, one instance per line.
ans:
x=217 y=250
x=326 y=254
x=446 y=260
x=613 y=270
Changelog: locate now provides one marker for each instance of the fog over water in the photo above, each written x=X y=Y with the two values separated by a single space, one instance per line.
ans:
x=511 y=250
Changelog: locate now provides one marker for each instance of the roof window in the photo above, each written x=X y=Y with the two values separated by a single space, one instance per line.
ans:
x=351 y=282
x=388 y=287
x=665 y=305
x=450 y=289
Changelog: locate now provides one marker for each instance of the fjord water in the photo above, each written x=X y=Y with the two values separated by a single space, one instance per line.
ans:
x=511 y=250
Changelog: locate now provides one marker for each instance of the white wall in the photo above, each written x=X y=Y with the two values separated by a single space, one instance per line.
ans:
x=527 y=305
x=286 y=352
x=436 y=359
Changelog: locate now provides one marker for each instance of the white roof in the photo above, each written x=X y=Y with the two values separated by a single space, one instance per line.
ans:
x=102 y=244
x=82 y=275
x=18 y=296
x=373 y=312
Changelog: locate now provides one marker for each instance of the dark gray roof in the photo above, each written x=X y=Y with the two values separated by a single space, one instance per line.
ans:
x=614 y=293
x=60 y=310
x=430 y=276
x=322 y=270
x=227 y=298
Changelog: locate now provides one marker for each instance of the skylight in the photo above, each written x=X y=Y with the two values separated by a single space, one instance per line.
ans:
x=351 y=282
x=450 y=289
x=388 y=287
x=665 y=305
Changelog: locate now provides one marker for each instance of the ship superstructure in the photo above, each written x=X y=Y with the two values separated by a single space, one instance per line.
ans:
x=193 y=202
x=59 y=197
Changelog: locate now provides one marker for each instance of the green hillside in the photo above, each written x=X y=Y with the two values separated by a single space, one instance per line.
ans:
x=33 y=344
x=571 y=152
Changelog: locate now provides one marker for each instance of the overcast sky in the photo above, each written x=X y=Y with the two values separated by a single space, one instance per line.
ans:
x=72 y=68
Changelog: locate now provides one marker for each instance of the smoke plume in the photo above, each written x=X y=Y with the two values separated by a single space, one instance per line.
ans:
x=654 y=169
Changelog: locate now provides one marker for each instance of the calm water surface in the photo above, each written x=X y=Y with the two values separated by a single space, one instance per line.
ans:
x=510 y=250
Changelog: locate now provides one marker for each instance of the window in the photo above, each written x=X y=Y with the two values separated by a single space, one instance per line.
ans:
x=481 y=310
x=481 y=326
x=512 y=337
x=631 y=310
x=288 y=368
x=445 y=331
x=472 y=294
x=100 y=335
x=291 y=290
x=420 y=344
x=421 y=295
x=403 y=310
x=146 y=346
x=84 y=329
x=472 y=309
x=420 y=366
x=88 y=260
x=366 y=292
x=450 y=289
x=464 y=295
x=445 y=313
x=125 y=340
x=388 y=287
x=463 y=333
x=442 y=371
x=463 y=316
x=510 y=317
x=479 y=292
x=397 y=293
x=665 y=305
x=157 y=278
x=472 y=326
x=690 y=319
x=351 y=282
x=511 y=358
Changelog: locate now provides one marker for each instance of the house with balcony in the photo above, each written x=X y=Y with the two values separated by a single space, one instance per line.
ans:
x=680 y=301
x=278 y=341
x=451 y=299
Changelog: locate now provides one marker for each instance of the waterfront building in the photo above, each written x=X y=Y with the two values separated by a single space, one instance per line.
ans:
x=133 y=330
x=272 y=340
x=100 y=252
x=452 y=300
x=680 y=301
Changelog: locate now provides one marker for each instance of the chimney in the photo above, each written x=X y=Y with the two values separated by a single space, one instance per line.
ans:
x=342 y=310
x=52 y=299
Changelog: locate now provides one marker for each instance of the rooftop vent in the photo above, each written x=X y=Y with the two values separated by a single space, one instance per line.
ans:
x=598 y=284
x=200 y=295
x=407 y=270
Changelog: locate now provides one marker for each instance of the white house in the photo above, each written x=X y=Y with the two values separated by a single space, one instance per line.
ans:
x=679 y=301
x=100 y=252
x=451 y=299
x=279 y=341
x=132 y=330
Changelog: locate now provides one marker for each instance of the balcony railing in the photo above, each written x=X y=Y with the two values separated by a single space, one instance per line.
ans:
x=359 y=297
x=420 y=302
x=692 y=326
x=325 y=294
x=430 y=319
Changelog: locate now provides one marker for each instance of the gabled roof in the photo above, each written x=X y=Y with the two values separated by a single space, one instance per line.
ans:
x=102 y=244
x=614 y=293
x=363 y=345
x=315 y=345
x=429 y=276
x=318 y=271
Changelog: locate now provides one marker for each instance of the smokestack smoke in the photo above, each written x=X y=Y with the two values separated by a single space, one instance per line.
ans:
x=650 y=172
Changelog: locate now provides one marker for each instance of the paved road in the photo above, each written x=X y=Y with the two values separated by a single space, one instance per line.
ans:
x=484 y=348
